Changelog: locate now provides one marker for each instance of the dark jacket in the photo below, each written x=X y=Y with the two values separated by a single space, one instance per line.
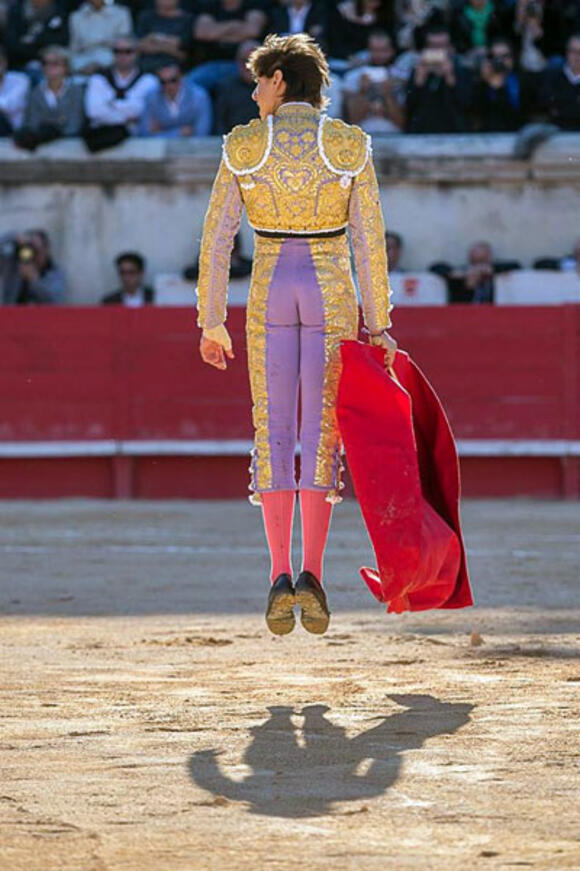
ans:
x=25 y=39
x=116 y=298
x=505 y=109
x=457 y=290
x=560 y=99
x=316 y=23
x=435 y=107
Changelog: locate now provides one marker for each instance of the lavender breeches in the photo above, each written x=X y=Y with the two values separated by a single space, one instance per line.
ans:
x=302 y=303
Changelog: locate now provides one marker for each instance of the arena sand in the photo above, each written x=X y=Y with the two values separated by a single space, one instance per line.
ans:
x=151 y=723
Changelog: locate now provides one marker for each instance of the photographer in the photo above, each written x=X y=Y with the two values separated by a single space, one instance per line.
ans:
x=475 y=282
x=374 y=99
x=439 y=95
x=541 y=30
x=502 y=99
x=28 y=275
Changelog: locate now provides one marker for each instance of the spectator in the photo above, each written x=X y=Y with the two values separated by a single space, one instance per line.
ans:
x=374 y=99
x=299 y=16
x=439 y=94
x=502 y=98
x=474 y=283
x=560 y=90
x=27 y=271
x=234 y=104
x=351 y=24
x=570 y=263
x=474 y=23
x=55 y=105
x=133 y=292
x=13 y=97
x=164 y=35
x=219 y=28
x=32 y=26
x=94 y=27
x=541 y=31
x=394 y=243
x=414 y=16
x=176 y=108
x=115 y=99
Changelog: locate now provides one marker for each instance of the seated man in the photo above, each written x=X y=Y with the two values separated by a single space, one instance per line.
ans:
x=14 y=89
x=28 y=274
x=115 y=99
x=55 y=105
x=439 y=94
x=165 y=34
x=218 y=29
x=475 y=282
x=133 y=292
x=560 y=89
x=234 y=103
x=94 y=27
x=300 y=16
x=176 y=108
x=502 y=99
x=373 y=98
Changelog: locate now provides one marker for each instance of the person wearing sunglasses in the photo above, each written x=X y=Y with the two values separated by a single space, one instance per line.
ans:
x=176 y=107
x=55 y=105
x=115 y=99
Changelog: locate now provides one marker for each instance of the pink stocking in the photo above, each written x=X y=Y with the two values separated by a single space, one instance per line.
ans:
x=315 y=512
x=278 y=513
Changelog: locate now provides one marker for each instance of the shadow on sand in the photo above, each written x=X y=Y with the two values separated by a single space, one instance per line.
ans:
x=292 y=777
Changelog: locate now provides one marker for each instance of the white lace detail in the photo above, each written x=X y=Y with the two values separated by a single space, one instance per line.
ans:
x=258 y=166
x=345 y=173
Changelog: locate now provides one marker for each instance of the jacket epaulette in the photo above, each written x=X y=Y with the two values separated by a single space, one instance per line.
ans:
x=247 y=146
x=345 y=148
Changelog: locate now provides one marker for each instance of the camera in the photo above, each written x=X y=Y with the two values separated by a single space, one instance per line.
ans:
x=25 y=253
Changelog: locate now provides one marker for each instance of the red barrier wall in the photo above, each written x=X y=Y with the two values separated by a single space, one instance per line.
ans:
x=90 y=374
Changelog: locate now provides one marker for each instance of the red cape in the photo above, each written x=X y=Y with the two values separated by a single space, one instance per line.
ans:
x=403 y=462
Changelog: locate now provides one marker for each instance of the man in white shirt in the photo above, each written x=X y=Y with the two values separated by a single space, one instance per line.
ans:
x=14 y=89
x=117 y=96
x=94 y=27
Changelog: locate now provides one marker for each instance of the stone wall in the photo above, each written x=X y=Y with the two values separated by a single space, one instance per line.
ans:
x=440 y=192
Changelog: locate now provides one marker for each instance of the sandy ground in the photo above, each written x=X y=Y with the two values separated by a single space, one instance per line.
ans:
x=151 y=723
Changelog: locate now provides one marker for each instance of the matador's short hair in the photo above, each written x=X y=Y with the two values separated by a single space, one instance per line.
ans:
x=301 y=62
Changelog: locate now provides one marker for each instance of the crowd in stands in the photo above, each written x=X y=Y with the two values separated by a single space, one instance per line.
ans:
x=109 y=70
x=30 y=276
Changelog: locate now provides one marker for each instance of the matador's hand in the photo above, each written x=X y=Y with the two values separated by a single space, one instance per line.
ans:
x=384 y=340
x=215 y=345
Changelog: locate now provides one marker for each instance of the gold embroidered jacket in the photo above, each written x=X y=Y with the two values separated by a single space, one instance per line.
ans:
x=297 y=171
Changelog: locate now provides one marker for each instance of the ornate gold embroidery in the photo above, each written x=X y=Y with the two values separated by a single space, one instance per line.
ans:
x=332 y=265
x=221 y=224
x=367 y=232
x=246 y=145
x=265 y=257
x=294 y=189
x=345 y=146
